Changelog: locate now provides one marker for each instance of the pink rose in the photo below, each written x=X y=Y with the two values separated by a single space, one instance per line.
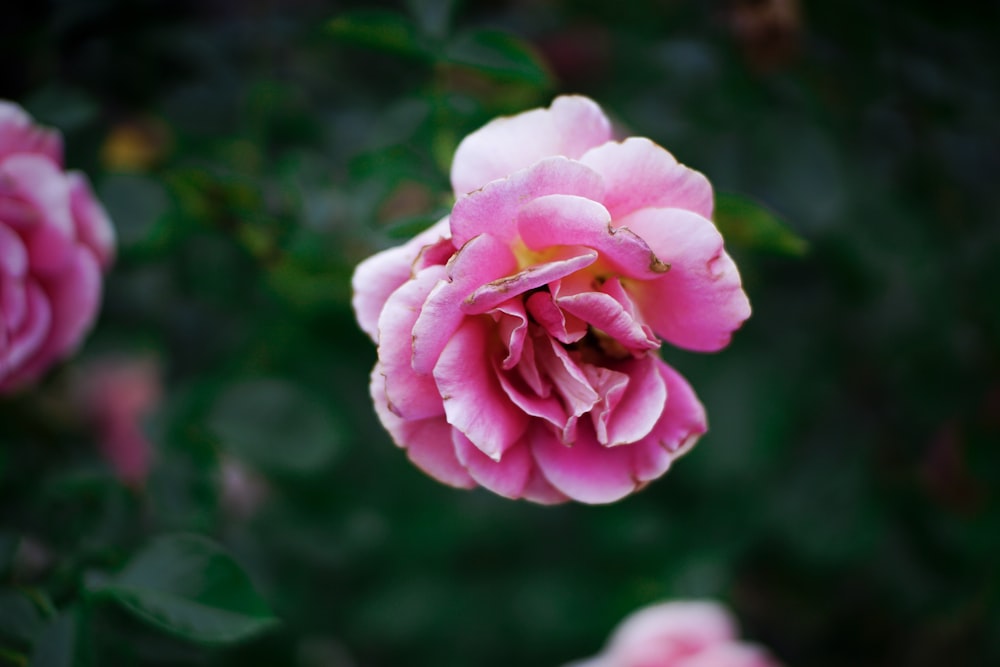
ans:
x=518 y=338
x=679 y=634
x=117 y=396
x=55 y=242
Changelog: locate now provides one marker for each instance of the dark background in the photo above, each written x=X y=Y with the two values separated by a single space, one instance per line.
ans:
x=844 y=502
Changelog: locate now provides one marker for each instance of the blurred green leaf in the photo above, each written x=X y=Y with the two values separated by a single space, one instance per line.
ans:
x=748 y=224
x=381 y=30
x=135 y=203
x=187 y=586
x=273 y=424
x=434 y=15
x=8 y=547
x=66 y=107
x=55 y=645
x=19 y=617
x=500 y=55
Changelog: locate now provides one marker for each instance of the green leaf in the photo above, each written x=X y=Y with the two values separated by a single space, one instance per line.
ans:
x=273 y=424
x=19 y=617
x=381 y=30
x=135 y=203
x=55 y=645
x=744 y=222
x=500 y=55
x=187 y=586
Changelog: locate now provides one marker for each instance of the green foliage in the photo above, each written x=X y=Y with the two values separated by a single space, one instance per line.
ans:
x=188 y=586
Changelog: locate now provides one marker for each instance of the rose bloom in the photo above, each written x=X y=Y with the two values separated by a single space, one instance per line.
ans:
x=679 y=634
x=518 y=337
x=117 y=395
x=55 y=242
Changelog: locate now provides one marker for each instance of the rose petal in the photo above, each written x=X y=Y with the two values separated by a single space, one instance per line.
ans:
x=378 y=276
x=512 y=327
x=18 y=134
x=506 y=477
x=683 y=421
x=481 y=260
x=27 y=340
x=641 y=405
x=609 y=316
x=560 y=220
x=493 y=209
x=93 y=226
x=427 y=441
x=736 y=654
x=410 y=395
x=569 y=127
x=670 y=631
x=493 y=293
x=474 y=401
x=700 y=302
x=639 y=174
x=584 y=471
x=552 y=318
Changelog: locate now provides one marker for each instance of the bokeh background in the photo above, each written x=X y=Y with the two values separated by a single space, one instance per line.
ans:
x=844 y=503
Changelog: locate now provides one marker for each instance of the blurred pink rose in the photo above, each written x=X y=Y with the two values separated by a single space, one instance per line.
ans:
x=679 y=634
x=518 y=338
x=55 y=242
x=117 y=396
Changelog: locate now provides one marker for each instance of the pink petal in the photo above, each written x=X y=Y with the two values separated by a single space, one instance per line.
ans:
x=735 y=654
x=474 y=401
x=481 y=260
x=493 y=293
x=38 y=183
x=683 y=420
x=493 y=209
x=539 y=490
x=26 y=341
x=552 y=318
x=560 y=220
x=669 y=632
x=506 y=477
x=512 y=327
x=546 y=407
x=639 y=174
x=607 y=314
x=700 y=302
x=585 y=471
x=410 y=395
x=640 y=407
x=18 y=134
x=93 y=226
x=74 y=299
x=427 y=441
x=568 y=378
x=13 y=255
x=569 y=127
x=378 y=276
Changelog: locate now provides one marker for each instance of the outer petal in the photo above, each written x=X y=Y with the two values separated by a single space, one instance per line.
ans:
x=93 y=226
x=683 y=420
x=49 y=234
x=666 y=633
x=74 y=300
x=427 y=441
x=561 y=220
x=700 y=302
x=19 y=135
x=410 y=395
x=378 y=276
x=506 y=477
x=736 y=654
x=474 y=401
x=493 y=208
x=569 y=127
x=584 y=471
x=639 y=174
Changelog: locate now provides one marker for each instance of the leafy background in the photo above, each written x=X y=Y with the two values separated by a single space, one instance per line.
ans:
x=845 y=501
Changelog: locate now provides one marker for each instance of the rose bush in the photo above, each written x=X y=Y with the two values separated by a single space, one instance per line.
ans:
x=55 y=242
x=518 y=337
x=679 y=634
